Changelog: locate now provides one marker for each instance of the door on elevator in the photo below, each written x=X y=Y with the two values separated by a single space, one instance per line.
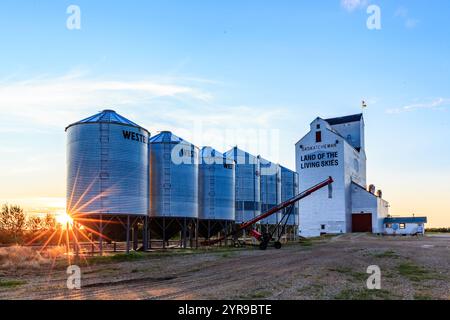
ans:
x=362 y=222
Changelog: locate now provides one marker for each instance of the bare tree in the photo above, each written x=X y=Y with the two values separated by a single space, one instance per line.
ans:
x=12 y=221
x=49 y=222
x=34 y=224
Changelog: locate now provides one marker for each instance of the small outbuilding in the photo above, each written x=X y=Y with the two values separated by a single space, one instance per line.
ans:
x=404 y=225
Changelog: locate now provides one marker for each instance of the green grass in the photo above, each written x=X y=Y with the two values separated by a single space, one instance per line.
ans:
x=414 y=272
x=422 y=296
x=364 y=294
x=306 y=242
x=119 y=257
x=257 y=295
x=386 y=254
x=315 y=290
x=136 y=256
x=11 y=283
x=227 y=254
x=359 y=276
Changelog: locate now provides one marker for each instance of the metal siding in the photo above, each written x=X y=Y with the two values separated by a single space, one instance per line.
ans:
x=247 y=185
x=106 y=173
x=173 y=186
x=216 y=187
x=289 y=189
x=270 y=189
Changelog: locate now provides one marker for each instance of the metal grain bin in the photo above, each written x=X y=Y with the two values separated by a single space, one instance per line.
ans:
x=289 y=189
x=247 y=186
x=216 y=192
x=270 y=189
x=216 y=186
x=107 y=166
x=173 y=177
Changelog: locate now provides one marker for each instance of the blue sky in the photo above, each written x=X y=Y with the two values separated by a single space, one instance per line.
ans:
x=210 y=69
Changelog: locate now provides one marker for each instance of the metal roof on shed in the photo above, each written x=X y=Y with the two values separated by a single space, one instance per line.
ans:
x=406 y=220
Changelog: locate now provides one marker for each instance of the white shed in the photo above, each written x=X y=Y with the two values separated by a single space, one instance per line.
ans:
x=405 y=225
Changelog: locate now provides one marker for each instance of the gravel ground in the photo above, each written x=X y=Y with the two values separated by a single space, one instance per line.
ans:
x=326 y=268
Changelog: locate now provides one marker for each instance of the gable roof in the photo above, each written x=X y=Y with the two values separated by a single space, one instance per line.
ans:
x=345 y=119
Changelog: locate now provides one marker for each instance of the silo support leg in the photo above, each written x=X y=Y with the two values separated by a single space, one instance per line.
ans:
x=149 y=238
x=145 y=234
x=100 y=238
x=209 y=229
x=164 y=233
x=226 y=232
x=196 y=234
x=135 y=235
x=75 y=241
x=184 y=234
x=191 y=231
x=128 y=234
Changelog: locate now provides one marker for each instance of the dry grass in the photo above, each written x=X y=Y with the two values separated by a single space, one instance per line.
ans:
x=18 y=257
x=54 y=252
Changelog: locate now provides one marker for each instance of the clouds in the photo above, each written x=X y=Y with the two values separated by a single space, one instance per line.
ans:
x=411 y=23
x=352 y=5
x=47 y=100
x=408 y=21
x=188 y=106
x=434 y=104
x=36 y=111
x=401 y=13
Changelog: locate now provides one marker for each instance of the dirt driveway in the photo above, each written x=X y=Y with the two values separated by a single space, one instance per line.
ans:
x=329 y=268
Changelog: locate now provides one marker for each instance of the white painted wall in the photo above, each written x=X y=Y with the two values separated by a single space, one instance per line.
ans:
x=353 y=132
x=352 y=173
x=410 y=228
x=350 y=165
x=365 y=202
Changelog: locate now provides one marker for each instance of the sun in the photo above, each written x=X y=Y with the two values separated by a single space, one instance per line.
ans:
x=64 y=219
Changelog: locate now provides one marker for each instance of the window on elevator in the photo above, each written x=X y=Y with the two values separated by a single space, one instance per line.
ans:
x=318 y=136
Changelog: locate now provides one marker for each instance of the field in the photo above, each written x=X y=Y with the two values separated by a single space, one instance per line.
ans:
x=325 y=268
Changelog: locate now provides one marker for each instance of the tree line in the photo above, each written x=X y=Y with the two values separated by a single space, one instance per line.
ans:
x=19 y=228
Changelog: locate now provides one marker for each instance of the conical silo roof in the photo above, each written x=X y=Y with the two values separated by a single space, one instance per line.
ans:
x=107 y=116
x=207 y=151
x=167 y=137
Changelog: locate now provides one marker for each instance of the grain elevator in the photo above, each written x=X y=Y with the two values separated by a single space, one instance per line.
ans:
x=335 y=147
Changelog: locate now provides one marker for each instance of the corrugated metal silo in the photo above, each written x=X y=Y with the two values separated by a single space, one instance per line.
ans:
x=289 y=189
x=173 y=182
x=247 y=187
x=107 y=166
x=216 y=191
x=270 y=189
x=296 y=192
